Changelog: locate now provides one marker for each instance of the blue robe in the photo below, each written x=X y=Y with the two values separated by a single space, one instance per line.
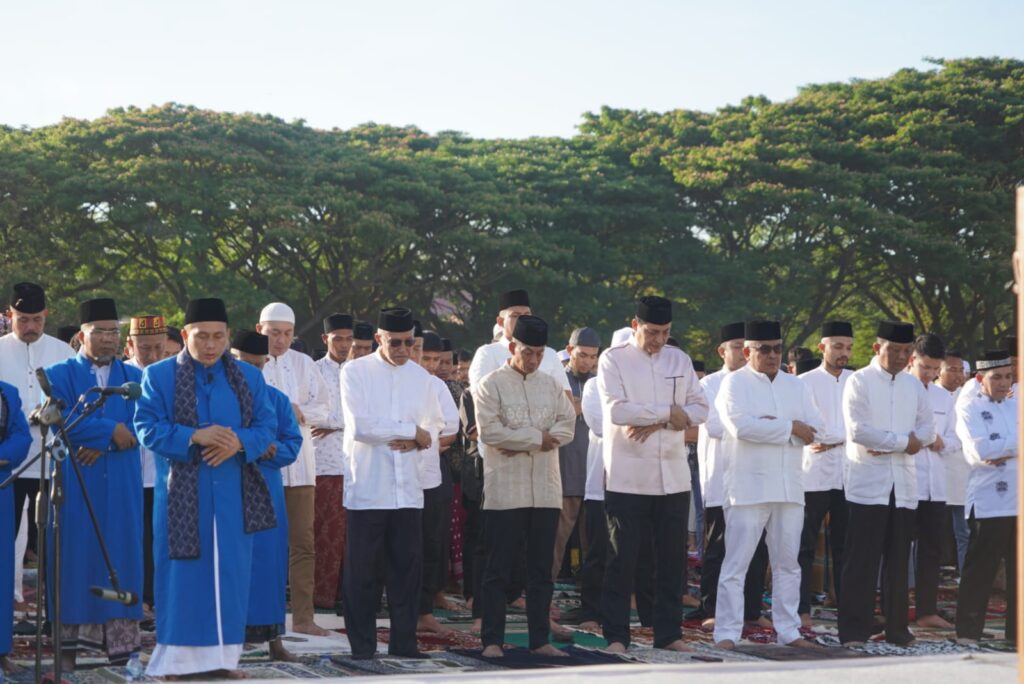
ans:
x=270 y=548
x=187 y=613
x=13 y=449
x=114 y=484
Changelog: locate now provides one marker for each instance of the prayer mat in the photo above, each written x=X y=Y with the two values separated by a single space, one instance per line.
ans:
x=517 y=658
x=449 y=662
x=781 y=652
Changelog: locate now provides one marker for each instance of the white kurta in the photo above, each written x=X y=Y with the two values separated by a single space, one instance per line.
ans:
x=988 y=430
x=493 y=356
x=383 y=403
x=298 y=377
x=329 y=450
x=430 y=458
x=763 y=460
x=709 y=444
x=18 y=364
x=593 y=417
x=931 y=466
x=881 y=410
x=824 y=471
x=639 y=389
x=957 y=468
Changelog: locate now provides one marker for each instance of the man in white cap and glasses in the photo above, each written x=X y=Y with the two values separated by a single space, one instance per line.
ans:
x=297 y=375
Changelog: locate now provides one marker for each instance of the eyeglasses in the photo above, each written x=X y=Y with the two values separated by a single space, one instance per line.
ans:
x=409 y=342
x=768 y=349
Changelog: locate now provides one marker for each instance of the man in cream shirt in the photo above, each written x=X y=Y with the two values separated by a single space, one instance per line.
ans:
x=297 y=375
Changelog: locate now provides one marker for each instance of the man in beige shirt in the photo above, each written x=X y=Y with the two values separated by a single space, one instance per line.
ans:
x=523 y=416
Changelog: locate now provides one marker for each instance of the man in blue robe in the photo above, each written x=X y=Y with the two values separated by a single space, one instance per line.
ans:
x=15 y=440
x=209 y=419
x=107 y=452
x=267 y=592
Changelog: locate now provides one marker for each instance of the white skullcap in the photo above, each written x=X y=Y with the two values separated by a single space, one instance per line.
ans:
x=621 y=335
x=277 y=311
x=563 y=356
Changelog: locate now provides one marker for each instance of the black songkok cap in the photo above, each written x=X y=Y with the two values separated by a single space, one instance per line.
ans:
x=432 y=342
x=992 y=358
x=531 y=331
x=251 y=342
x=758 y=331
x=417 y=329
x=337 y=321
x=208 y=310
x=804 y=365
x=731 y=331
x=655 y=310
x=1010 y=344
x=362 y=331
x=28 y=298
x=174 y=335
x=837 y=329
x=513 y=298
x=102 y=309
x=698 y=366
x=446 y=344
x=66 y=332
x=395 y=320
x=896 y=331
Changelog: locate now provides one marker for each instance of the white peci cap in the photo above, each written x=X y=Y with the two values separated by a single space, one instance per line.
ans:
x=277 y=311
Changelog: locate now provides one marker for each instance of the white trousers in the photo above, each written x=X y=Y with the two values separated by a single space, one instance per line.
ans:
x=784 y=523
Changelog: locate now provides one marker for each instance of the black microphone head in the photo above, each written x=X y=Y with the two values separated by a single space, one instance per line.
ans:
x=132 y=390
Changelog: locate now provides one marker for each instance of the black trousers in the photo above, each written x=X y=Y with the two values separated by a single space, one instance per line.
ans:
x=816 y=505
x=505 y=531
x=399 y=534
x=147 y=545
x=592 y=572
x=472 y=549
x=437 y=517
x=992 y=539
x=874 y=533
x=711 y=568
x=931 y=520
x=26 y=487
x=629 y=515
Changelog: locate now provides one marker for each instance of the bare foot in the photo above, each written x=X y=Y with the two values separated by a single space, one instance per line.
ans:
x=853 y=644
x=726 y=644
x=441 y=601
x=934 y=622
x=761 y=622
x=678 y=645
x=804 y=643
x=476 y=626
x=549 y=650
x=805 y=620
x=279 y=652
x=518 y=604
x=558 y=632
x=708 y=624
x=429 y=623
x=961 y=641
x=222 y=674
x=690 y=601
x=310 y=628
x=469 y=603
x=493 y=651
x=616 y=647
x=554 y=613
x=589 y=626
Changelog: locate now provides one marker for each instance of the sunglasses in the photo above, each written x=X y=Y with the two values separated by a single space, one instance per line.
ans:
x=768 y=349
x=395 y=344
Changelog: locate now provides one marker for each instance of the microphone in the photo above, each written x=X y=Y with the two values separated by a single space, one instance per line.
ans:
x=128 y=598
x=129 y=390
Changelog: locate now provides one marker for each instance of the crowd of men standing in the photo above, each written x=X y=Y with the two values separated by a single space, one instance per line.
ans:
x=247 y=472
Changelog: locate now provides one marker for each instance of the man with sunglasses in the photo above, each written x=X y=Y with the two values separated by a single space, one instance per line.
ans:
x=889 y=421
x=768 y=417
x=391 y=417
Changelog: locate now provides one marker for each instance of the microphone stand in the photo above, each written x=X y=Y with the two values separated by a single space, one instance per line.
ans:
x=57 y=450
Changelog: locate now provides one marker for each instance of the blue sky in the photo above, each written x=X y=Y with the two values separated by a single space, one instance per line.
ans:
x=490 y=69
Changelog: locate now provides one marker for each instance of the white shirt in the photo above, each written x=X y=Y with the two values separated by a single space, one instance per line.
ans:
x=957 y=468
x=430 y=458
x=709 y=444
x=763 y=459
x=329 y=450
x=592 y=416
x=298 y=377
x=988 y=430
x=493 y=356
x=824 y=471
x=383 y=403
x=639 y=389
x=145 y=455
x=18 y=364
x=881 y=410
x=931 y=465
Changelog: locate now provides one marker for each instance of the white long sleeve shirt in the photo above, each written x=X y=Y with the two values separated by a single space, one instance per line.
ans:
x=763 y=460
x=957 y=468
x=298 y=377
x=709 y=444
x=493 y=356
x=931 y=466
x=593 y=417
x=18 y=364
x=988 y=430
x=330 y=450
x=383 y=403
x=639 y=389
x=824 y=471
x=145 y=455
x=881 y=410
x=430 y=458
